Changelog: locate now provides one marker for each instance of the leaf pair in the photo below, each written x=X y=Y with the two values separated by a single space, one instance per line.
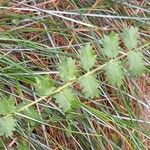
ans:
x=68 y=71
x=89 y=84
x=65 y=98
x=110 y=48
x=114 y=70
x=111 y=42
x=135 y=59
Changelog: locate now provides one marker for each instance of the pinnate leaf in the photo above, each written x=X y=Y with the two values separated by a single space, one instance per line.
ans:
x=87 y=57
x=7 y=126
x=110 y=45
x=136 y=63
x=90 y=86
x=65 y=99
x=130 y=37
x=67 y=69
x=114 y=73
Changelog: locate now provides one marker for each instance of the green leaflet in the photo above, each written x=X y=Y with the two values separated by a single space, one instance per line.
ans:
x=114 y=73
x=44 y=85
x=66 y=99
x=67 y=69
x=7 y=126
x=7 y=106
x=90 y=86
x=136 y=63
x=87 y=57
x=130 y=37
x=110 y=45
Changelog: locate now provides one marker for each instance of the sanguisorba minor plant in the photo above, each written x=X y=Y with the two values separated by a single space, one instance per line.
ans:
x=80 y=82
